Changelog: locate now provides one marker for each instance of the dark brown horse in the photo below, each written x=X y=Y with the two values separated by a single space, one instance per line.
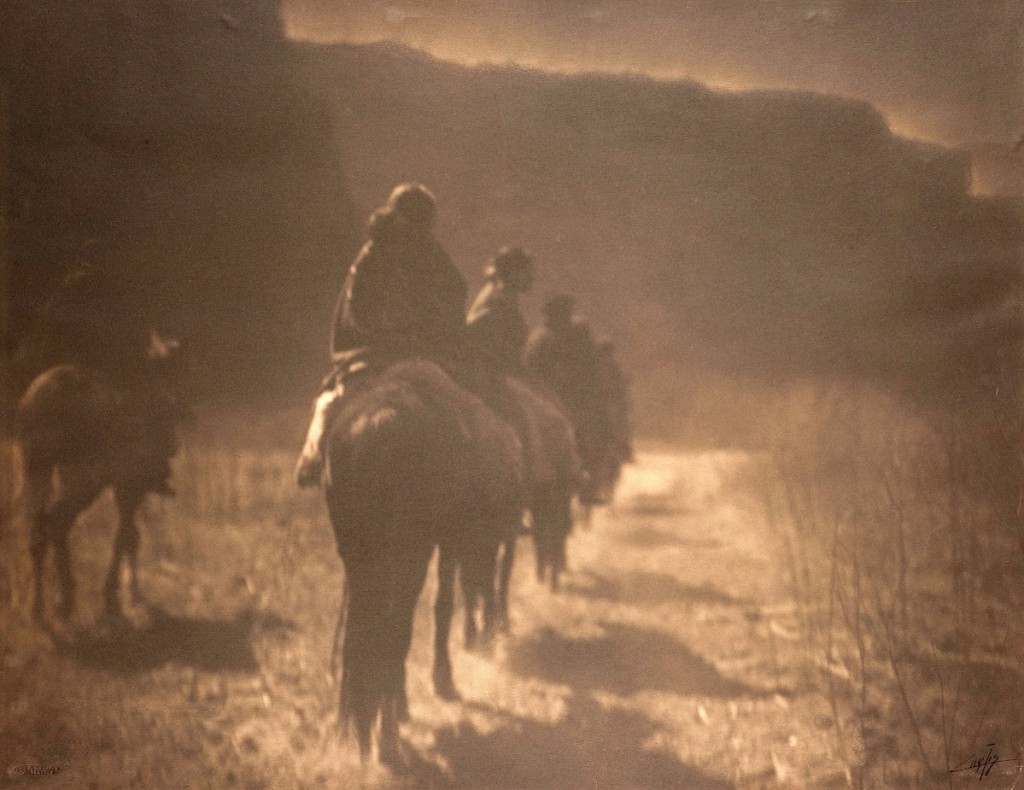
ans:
x=413 y=463
x=553 y=480
x=550 y=501
x=79 y=434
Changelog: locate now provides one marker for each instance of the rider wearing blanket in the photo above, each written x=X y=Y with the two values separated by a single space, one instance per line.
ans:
x=496 y=328
x=91 y=330
x=403 y=300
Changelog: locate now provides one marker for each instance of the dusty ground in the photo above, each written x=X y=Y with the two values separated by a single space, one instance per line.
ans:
x=669 y=659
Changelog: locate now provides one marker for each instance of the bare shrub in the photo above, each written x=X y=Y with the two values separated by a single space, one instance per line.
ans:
x=900 y=528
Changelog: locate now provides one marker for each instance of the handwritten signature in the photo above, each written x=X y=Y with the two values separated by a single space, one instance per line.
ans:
x=983 y=766
x=33 y=770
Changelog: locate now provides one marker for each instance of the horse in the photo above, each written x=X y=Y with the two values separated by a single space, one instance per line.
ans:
x=550 y=497
x=554 y=474
x=413 y=462
x=80 y=433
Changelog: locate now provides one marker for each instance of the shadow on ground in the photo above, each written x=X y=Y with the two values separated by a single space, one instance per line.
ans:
x=624 y=661
x=654 y=505
x=592 y=746
x=646 y=588
x=648 y=537
x=166 y=639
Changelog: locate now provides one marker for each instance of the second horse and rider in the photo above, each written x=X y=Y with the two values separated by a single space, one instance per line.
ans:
x=403 y=299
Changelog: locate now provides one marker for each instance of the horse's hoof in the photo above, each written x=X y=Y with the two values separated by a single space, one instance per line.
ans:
x=391 y=756
x=309 y=472
x=112 y=607
x=165 y=489
x=444 y=687
x=487 y=642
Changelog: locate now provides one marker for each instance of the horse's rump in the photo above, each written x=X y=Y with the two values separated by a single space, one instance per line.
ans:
x=68 y=413
x=71 y=414
x=415 y=418
x=555 y=456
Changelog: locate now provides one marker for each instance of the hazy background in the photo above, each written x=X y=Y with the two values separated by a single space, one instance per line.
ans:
x=943 y=71
x=225 y=155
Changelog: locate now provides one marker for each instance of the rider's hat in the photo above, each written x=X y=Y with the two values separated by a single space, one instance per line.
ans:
x=414 y=202
x=559 y=305
x=508 y=262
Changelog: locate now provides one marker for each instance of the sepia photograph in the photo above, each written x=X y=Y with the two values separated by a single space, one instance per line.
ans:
x=511 y=394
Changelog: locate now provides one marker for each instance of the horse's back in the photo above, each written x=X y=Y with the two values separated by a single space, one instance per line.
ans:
x=413 y=429
x=557 y=437
x=67 y=411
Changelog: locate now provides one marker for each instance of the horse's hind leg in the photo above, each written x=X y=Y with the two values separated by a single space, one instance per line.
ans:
x=126 y=544
x=444 y=686
x=39 y=542
x=62 y=554
x=470 y=597
x=37 y=549
x=559 y=544
x=38 y=490
x=389 y=746
x=80 y=485
x=477 y=571
x=508 y=558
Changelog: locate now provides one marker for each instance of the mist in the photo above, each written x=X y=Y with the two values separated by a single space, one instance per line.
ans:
x=764 y=234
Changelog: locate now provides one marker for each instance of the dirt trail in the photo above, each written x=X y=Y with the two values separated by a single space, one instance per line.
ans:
x=664 y=661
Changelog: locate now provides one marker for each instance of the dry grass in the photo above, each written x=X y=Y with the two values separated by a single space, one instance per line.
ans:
x=684 y=651
x=898 y=529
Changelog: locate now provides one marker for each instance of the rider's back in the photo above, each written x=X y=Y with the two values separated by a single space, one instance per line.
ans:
x=402 y=296
x=89 y=321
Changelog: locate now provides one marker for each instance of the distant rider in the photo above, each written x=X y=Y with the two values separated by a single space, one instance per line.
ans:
x=495 y=323
x=89 y=321
x=561 y=354
x=92 y=323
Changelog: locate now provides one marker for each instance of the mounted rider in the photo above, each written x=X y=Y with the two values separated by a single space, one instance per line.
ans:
x=495 y=323
x=496 y=329
x=403 y=298
x=562 y=356
x=91 y=323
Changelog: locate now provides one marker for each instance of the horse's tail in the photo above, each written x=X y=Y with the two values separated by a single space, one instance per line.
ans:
x=359 y=697
x=373 y=654
x=339 y=629
x=12 y=481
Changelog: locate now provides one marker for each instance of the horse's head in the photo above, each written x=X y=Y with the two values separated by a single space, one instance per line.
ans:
x=162 y=349
x=169 y=369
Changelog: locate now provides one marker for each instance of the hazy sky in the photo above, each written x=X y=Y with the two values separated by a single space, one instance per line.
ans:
x=949 y=71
